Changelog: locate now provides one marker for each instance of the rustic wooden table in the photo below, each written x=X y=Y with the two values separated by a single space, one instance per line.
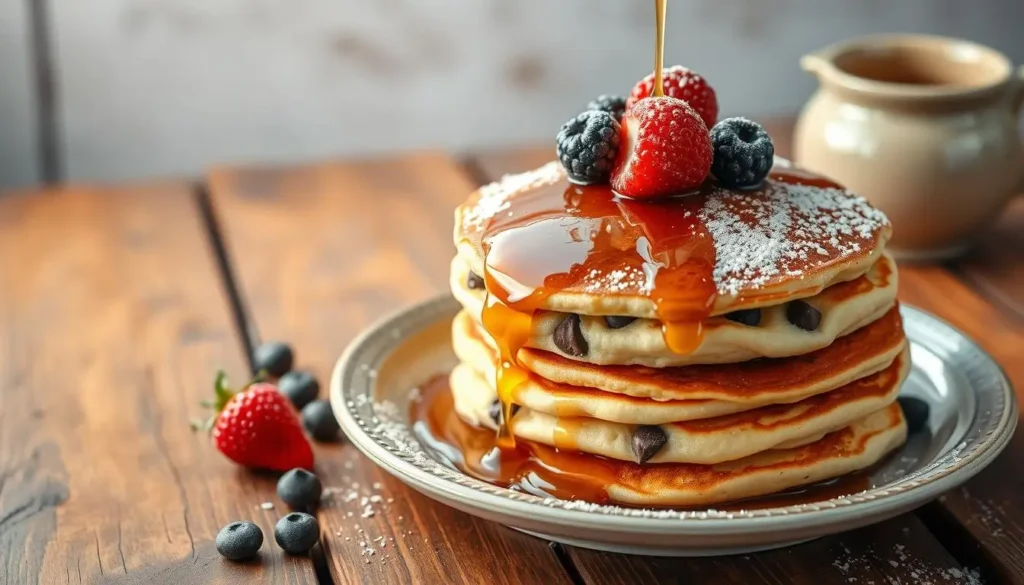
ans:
x=117 y=305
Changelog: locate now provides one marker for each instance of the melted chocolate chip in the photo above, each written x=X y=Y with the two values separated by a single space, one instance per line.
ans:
x=803 y=315
x=569 y=338
x=614 y=322
x=750 y=317
x=915 y=411
x=473 y=281
x=495 y=411
x=647 y=441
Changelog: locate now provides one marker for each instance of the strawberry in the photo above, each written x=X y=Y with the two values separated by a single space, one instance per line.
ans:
x=665 y=149
x=258 y=427
x=685 y=84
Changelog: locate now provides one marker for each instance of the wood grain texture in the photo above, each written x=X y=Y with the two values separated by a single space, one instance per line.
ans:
x=891 y=544
x=319 y=253
x=112 y=324
x=996 y=266
x=897 y=551
x=985 y=514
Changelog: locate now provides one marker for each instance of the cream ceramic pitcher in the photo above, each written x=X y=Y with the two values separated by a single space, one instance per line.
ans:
x=924 y=127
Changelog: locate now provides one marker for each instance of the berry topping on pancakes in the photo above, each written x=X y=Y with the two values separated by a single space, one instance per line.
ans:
x=666 y=150
x=613 y=104
x=685 y=84
x=588 y=146
x=744 y=153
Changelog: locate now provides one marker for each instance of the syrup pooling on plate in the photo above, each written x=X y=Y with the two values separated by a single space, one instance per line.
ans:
x=569 y=475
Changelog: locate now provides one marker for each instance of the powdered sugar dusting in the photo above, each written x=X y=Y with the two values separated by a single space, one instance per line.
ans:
x=492 y=199
x=784 y=231
x=864 y=567
x=618 y=281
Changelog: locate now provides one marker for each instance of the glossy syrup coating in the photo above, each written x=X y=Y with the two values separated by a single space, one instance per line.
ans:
x=687 y=257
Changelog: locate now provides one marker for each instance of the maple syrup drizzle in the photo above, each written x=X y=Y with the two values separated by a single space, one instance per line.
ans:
x=562 y=472
x=548 y=242
x=561 y=237
x=660 y=7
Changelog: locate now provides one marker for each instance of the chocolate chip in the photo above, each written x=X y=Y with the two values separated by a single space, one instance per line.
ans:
x=803 y=315
x=750 y=317
x=568 y=337
x=647 y=441
x=614 y=322
x=495 y=411
x=915 y=411
x=473 y=281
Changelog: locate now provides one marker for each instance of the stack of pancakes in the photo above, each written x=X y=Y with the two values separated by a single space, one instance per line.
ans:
x=707 y=348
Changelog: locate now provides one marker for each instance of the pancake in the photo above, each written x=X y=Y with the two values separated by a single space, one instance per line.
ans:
x=860 y=445
x=845 y=307
x=561 y=386
x=704 y=441
x=584 y=250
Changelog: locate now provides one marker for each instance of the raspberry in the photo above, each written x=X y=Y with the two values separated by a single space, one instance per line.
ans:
x=588 y=146
x=666 y=149
x=613 y=104
x=685 y=84
x=744 y=153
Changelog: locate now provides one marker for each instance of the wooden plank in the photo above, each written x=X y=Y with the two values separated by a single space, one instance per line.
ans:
x=319 y=253
x=19 y=154
x=982 y=520
x=891 y=543
x=112 y=323
x=995 y=266
x=898 y=551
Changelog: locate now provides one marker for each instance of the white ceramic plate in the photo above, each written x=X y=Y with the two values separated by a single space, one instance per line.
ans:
x=972 y=417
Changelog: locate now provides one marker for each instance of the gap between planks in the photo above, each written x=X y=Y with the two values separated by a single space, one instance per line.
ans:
x=245 y=327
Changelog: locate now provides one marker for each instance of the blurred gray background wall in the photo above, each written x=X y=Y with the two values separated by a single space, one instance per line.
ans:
x=120 y=89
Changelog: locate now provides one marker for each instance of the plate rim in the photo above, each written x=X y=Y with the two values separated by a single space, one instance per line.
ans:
x=908 y=492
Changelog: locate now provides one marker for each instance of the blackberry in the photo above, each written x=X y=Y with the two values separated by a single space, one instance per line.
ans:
x=588 y=145
x=613 y=104
x=743 y=153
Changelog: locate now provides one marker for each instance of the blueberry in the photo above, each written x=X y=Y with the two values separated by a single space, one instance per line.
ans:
x=300 y=489
x=300 y=387
x=915 y=411
x=239 y=540
x=743 y=153
x=274 y=358
x=319 y=421
x=296 y=533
